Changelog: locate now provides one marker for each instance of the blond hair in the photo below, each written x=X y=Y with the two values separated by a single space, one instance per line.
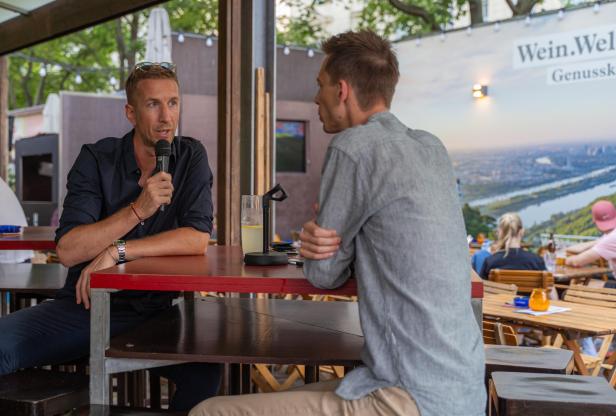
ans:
x=509 y=227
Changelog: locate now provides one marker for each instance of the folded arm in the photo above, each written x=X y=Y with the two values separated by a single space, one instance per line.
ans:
x=329 y=242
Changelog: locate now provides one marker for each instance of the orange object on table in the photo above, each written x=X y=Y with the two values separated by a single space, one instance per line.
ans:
x=539 y=300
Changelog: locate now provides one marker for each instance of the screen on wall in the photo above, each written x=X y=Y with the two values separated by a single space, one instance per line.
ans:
x=37 y=175
x=290 y=146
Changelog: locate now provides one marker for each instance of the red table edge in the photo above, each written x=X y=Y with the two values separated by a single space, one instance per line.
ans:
x=27 y=245
x=125 y=281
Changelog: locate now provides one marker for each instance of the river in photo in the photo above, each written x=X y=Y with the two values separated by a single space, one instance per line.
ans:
x=538 y=213
x=541 y=188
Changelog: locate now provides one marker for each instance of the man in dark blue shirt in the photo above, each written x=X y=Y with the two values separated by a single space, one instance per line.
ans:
x=111 y=215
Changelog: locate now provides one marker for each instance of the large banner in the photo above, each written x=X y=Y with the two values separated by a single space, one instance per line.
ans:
x=543 y=140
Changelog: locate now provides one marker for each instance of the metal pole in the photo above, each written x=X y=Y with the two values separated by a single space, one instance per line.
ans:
x=4 y=118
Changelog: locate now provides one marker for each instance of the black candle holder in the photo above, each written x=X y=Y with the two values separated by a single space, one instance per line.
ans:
x=268 y=257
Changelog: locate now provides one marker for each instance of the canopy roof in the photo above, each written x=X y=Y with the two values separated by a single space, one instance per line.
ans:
x=24 y=23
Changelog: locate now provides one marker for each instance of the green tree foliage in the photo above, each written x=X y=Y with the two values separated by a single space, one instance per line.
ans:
x=476 y=222
x=302 y=26
x=382 y=17
x=194 y=16
x=98 y=54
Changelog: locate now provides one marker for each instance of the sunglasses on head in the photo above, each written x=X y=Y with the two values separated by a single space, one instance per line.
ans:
x=146 y=66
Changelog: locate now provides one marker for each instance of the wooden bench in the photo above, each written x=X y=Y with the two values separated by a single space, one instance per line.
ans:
x=532 y=394
x=41 y=392
x=528 y=359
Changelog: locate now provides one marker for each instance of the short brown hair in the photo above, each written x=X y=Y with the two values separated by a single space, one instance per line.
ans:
x=367 y=62
x=141 y=72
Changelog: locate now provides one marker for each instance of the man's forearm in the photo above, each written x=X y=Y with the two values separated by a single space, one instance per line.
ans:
x=183 y=241
x=85 y=242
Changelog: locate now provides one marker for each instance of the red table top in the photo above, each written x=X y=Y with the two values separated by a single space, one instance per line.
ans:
x=32 y=238
x=221 y=270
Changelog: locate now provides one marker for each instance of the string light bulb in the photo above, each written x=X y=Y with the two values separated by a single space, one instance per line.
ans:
x=442 y=36
x=78 y=79
x=469 y=31
x=310 y=53
x=181 y=38
x=418 y=41
x=596 y=7
x=497 y=27
x=113 y=81
x=43 y=71
x=561 y=14
x=209 y=42
x=286 y=50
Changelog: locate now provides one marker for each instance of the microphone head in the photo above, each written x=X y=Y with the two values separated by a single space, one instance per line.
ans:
x=163 y=148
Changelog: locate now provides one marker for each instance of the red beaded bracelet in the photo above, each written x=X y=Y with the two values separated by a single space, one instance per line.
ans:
x=132 y=206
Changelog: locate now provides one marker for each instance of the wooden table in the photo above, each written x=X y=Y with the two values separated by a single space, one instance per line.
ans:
x=32 y=278
x=581 y=321
x=221 y=270
x=566 y=274
x=43 y=279
x=254 y=331
x=32 y=238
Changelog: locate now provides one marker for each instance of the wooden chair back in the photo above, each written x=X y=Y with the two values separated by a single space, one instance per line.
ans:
x=525 y=280
x=597 y=296
x=495 y=333
x=495 y=288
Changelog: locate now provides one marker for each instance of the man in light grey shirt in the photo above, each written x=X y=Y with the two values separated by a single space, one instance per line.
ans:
x=387 y=206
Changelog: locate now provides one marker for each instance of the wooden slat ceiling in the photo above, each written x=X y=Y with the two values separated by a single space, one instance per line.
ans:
x=24 y=23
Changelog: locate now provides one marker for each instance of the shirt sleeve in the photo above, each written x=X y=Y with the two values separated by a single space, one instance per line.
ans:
x=84 y=200
x=606 y=246
x=196 y=208
x=341 y=207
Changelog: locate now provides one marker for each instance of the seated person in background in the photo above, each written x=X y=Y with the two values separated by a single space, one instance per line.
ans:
x=481 y=255
x=604 y=217
x=508 y=253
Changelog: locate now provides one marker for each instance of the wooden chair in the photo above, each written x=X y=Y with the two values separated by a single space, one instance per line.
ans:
x=597 y=296
x=603 y=297
x=495 y=333
x=495 y=288
x=525 y=280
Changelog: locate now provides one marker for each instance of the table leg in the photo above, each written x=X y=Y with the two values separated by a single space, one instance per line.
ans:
x=311 y=374
x=99 y=342
x=246 y=382
x=577 y=358
x=477 y=306
x=3 y=303
x=235 y=379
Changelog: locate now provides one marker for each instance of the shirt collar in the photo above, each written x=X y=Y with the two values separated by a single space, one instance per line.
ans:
x=128 y=148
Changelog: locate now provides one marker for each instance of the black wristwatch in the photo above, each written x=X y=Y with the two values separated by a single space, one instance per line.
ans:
x=120 y=245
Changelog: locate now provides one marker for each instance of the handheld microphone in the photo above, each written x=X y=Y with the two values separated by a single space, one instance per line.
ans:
x=163 y=150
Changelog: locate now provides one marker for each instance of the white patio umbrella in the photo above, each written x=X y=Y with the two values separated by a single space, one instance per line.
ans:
x=158 y=46
x=12 y=214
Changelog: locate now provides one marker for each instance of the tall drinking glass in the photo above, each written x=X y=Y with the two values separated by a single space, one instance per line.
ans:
x=252 y=224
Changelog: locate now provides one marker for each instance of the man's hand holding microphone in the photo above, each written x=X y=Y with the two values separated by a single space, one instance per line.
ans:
x=158 y=189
